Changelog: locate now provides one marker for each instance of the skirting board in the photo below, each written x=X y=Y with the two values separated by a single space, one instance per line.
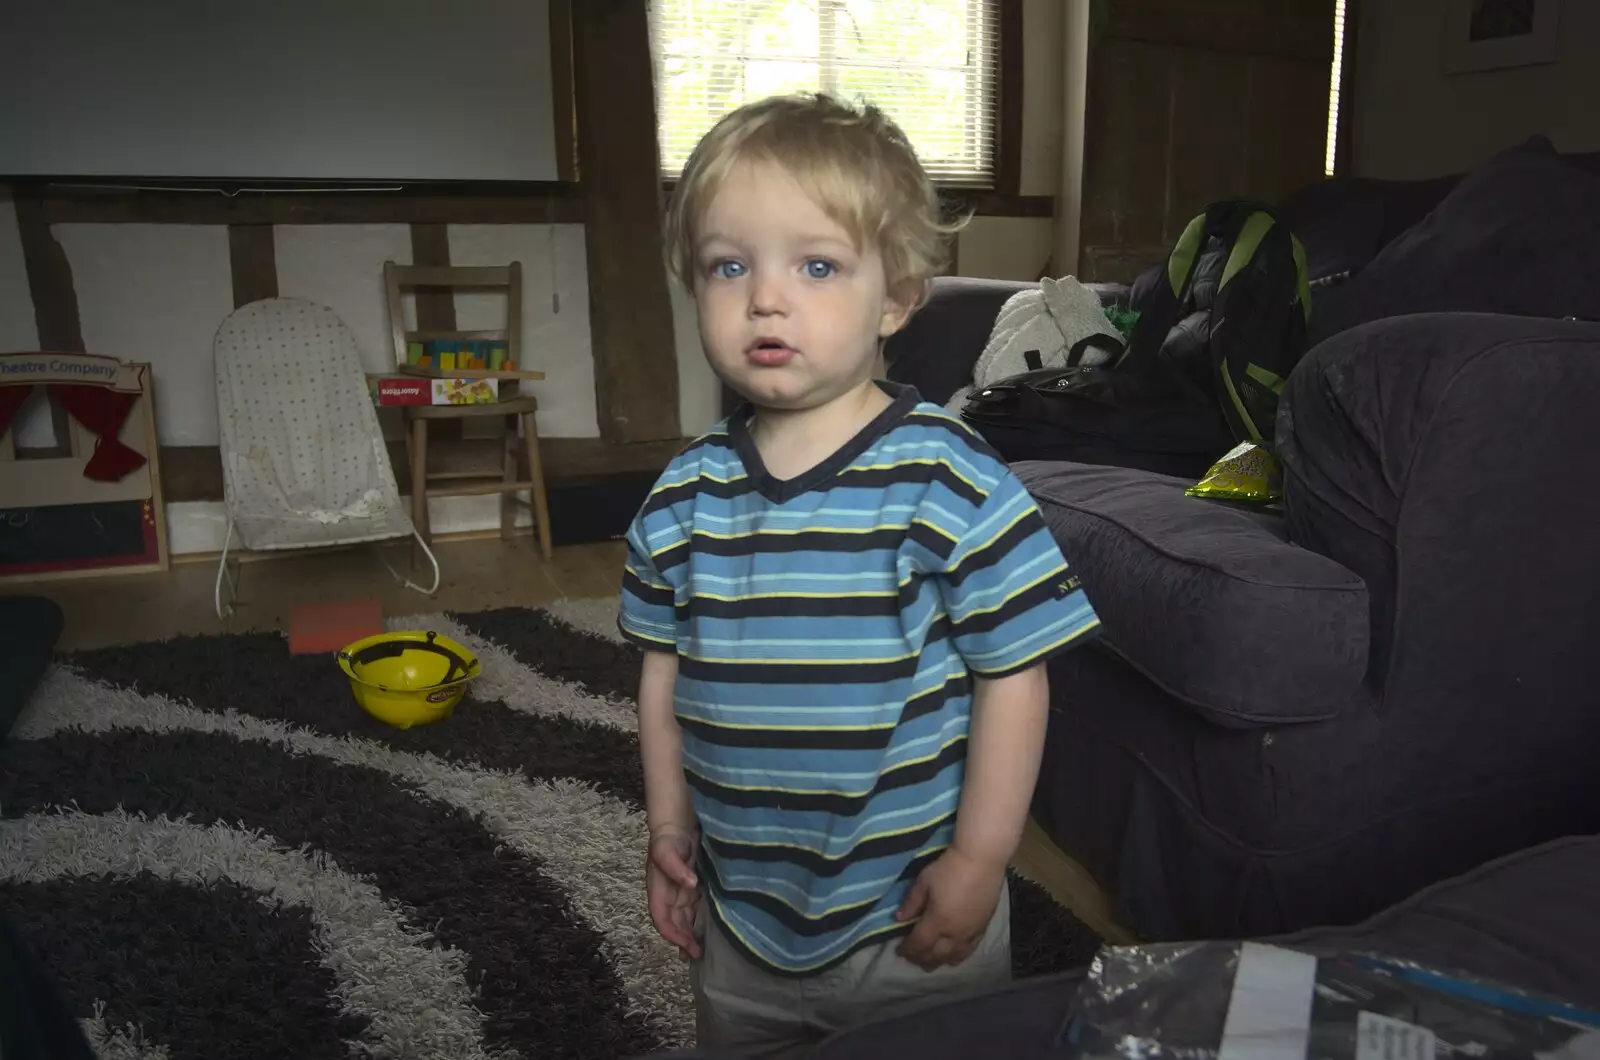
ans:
x=201 y=526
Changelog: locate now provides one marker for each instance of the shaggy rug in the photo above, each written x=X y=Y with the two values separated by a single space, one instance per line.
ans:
x=216 y=853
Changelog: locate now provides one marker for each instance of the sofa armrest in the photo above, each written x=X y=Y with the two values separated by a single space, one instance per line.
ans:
x=1448 y=459
x=1208 y=600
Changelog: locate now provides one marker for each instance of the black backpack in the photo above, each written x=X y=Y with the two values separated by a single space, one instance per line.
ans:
x=1219 y=327
x=1226 y=318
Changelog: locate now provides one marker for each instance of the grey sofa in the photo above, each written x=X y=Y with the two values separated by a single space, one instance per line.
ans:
x=1529 y=920
x=1298 y=716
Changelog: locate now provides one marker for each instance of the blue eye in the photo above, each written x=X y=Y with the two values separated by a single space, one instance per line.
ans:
x=728 y=269
x=820 y=268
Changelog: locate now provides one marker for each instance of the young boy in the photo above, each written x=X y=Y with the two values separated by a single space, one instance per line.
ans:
x=845 y=598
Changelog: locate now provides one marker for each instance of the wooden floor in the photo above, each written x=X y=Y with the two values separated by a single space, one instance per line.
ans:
x=1040 y=860
x=476 y=575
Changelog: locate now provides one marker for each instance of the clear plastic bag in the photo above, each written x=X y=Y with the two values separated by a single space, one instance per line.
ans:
x=1250 y=1001
x=1247 y=473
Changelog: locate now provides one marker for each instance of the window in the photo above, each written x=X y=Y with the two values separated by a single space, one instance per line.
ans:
x=930 y=64
x=1331 y=154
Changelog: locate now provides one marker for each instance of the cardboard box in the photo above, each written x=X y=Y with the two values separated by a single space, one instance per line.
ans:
x=418 y=390
x=465 y=391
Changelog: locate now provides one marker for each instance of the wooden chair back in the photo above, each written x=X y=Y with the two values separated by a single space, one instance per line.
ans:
x=397 y=279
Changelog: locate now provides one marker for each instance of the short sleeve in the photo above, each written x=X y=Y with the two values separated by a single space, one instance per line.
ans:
x=647 y=617
x=1013 y=600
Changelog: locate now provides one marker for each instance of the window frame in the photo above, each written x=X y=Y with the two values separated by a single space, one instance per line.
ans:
x=1005 y=130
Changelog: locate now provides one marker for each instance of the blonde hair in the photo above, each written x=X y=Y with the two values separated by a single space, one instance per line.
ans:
x=855 y=163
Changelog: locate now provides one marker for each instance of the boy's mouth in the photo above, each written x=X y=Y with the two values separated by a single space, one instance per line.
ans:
x=769 y=352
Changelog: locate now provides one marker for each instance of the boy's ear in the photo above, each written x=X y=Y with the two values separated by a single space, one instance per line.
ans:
x=898 y=307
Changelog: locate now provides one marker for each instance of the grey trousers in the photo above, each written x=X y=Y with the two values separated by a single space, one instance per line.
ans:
x=747 y=1010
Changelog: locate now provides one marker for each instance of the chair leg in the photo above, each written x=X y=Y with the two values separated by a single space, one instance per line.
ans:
x=223 y=575
x=417 y=544
x=419 y=485
x=508 y=462
x=541 y=510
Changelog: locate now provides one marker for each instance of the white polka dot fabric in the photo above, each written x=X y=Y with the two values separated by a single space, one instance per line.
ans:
x=303 y=458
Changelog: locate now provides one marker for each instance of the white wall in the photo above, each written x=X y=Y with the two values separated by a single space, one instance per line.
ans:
x=555 y=314
x=157 y=293
x=1042 y=25
x=341 y=266
x=1017 y=248
x=1412 y=120
x=1006 y=248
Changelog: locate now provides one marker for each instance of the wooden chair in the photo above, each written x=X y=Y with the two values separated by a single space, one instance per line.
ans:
x=513 y=407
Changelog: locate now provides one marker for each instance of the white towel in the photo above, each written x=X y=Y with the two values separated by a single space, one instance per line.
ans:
x=1051 y=318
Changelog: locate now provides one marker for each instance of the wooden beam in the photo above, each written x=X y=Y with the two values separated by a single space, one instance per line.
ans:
x=554 y=204
x=1344 y=131
x=1296 y=29
x=55 y=303
x=994 y=204
x=191 y=473
x=436 y=311
x=630 y=310
x=433 y=243
x=194 y=472
x=550 y=203
x=253 y=257
x=1188 y=104
x=436 y=306
x=981 y=202
x=564 y=108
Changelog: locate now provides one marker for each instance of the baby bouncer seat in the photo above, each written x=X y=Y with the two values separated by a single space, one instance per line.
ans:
x=304 y=463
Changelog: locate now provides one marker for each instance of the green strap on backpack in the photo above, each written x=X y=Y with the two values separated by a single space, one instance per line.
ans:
x=1243 y=272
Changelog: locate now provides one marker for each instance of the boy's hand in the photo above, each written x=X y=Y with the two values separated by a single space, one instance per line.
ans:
x=956 y=896
x=672 y=888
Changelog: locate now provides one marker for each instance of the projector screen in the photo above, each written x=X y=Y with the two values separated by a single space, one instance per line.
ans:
x=366 y=90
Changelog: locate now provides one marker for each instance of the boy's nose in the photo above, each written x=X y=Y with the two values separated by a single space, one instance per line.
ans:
x=767 y=295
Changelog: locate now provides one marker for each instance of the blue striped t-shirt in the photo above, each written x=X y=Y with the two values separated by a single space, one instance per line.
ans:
x=828 y=628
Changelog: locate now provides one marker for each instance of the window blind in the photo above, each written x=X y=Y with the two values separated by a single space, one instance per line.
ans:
x=931 y=65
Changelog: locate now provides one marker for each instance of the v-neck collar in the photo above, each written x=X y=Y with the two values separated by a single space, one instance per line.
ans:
x=903 y=398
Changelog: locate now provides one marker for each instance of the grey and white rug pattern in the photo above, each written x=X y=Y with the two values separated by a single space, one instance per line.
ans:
x=216 y=853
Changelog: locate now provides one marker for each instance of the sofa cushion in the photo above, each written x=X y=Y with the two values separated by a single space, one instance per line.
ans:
x=1528 y=919
x=1519 y=235
x=1208 y=600
x=1338 y=221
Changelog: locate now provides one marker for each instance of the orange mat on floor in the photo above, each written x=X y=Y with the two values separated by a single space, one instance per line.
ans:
x=325 y=628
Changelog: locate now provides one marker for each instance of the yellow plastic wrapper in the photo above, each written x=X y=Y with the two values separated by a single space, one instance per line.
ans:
x=1247 y=473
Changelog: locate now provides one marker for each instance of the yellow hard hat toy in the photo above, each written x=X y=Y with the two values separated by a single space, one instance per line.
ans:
x=408 y=678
